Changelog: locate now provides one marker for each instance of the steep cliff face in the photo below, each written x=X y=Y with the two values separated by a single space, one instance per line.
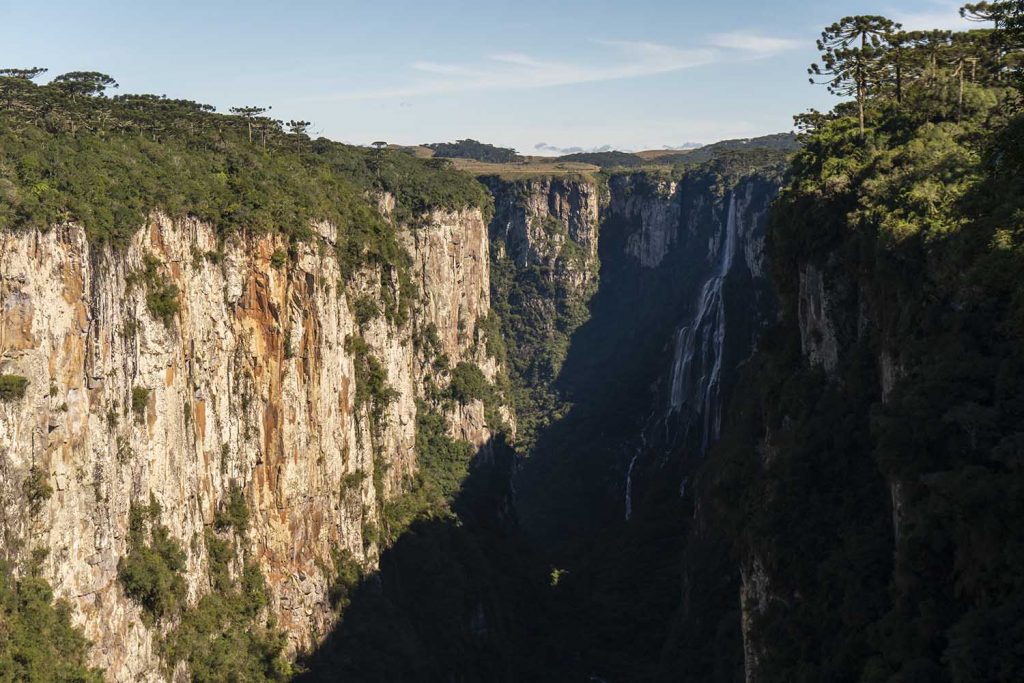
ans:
x=544 y=242
x=684 y=290
x=254 y=383
x=879 y=441
x=536 y=219
x=667 y=250
x=681 y=300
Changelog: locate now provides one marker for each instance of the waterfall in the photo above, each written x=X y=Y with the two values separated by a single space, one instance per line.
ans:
x=629 y=486
x=697 y=360
x=641 y=447
x=699 y=346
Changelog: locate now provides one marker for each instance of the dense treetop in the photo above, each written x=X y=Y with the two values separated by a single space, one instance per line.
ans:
x=474 y=149
x=888 y=526
x=68 y=152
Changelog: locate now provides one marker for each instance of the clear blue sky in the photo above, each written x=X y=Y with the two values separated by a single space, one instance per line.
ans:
x=631 y=74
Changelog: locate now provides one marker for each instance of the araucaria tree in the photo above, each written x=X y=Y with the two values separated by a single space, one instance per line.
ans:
x=298 y=129
x=28 y=74
x=84 y=83
x=851 y=57
x=12 y=80
x=1007 y=18
x=250 y=114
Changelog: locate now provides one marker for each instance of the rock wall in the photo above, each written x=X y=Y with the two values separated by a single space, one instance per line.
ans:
x=550 y=227
x=544 y=246
x=248 y=385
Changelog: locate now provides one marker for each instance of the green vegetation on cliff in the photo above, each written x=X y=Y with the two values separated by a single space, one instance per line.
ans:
x=37 y=640
x=443 y=466
x=151 y=571
x=12 y=387
x=882 y=507
x=226 y=635
x=73 y=155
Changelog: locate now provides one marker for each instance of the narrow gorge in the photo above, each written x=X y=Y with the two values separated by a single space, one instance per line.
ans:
x=281 y=386
x=279 y=408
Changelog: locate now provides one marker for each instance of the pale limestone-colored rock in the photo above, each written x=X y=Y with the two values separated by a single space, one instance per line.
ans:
x=251 y=386
x=659 y=211
x=897 y=496
x=890 y=371
x=754 y=596
x=817 y=331
x=534 y=220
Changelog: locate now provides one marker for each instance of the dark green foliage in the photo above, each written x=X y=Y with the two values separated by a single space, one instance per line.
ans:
x=140 y=400
x=535 y=309
x=468 y=383
x=161 y=294
x=490 y=326
x=234 y=512
x=224 y=638
x=151 y=572
x=364 y=309
x=12 y=387
x=162 y=302
x=537 y=313
x=36 y=488
x=106 y=163
x=83 y=83
x=372 y=389
x=427 y=340
x=37 y=641
x=443 y=466
x=347 y=575
x=777 y=146
x=606 y=159
x=473 y=149
x=443 y=461
x=220 y=552
x=885 y=526
x=278 y=259
x=778 y=142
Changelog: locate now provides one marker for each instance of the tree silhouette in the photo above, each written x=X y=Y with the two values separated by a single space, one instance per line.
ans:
x=250 y=114
x=995 y=12
x=298 y=129
x=14 y=80
x=851 y=55
x=28 y=74
x=84 y=83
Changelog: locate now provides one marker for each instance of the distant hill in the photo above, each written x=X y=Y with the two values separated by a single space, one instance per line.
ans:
x=481 y=158
x=779 y=142
x=604 y=159
x=782 y=143
x=474 y=149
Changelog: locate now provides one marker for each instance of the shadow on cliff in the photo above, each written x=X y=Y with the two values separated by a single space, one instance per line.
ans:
x=651 y=597
x=619 y=362
x=456 y=598
x=545 y=580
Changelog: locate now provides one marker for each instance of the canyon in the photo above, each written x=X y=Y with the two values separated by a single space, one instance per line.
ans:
x=252 y=384
x=681 y=424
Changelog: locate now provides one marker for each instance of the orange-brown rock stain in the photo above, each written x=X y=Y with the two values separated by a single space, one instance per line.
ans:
x=260 y=314
x=200 y=415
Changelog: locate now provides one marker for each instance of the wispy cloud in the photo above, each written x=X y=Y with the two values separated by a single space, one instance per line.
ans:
x=516 y=71
x=620 y=59
x=547 y=148
x=940 y=14
x=753 y=44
